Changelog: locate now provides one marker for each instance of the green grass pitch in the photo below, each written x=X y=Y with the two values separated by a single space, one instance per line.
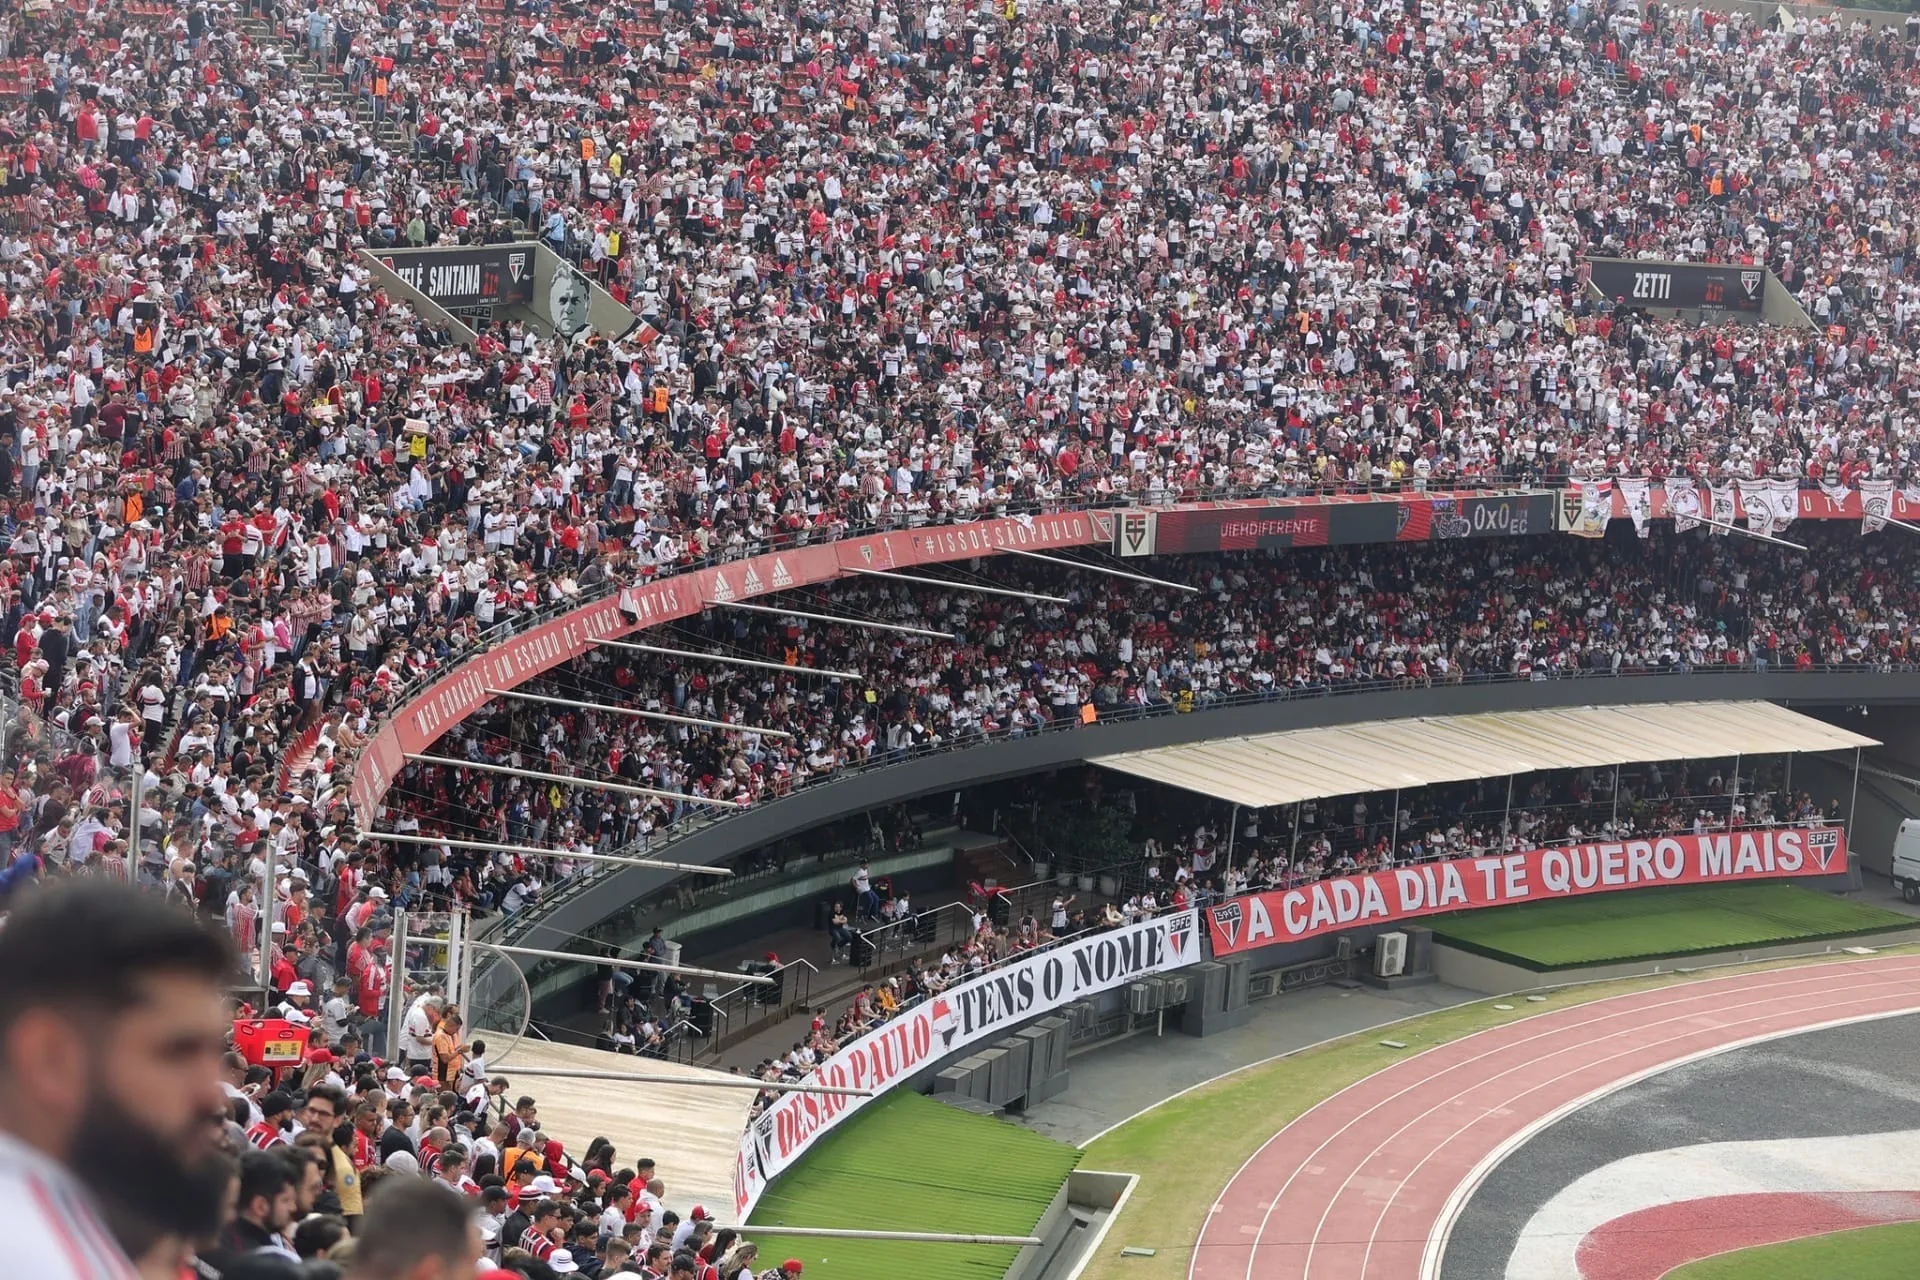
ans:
x=908 y=1163
x=1650 y=923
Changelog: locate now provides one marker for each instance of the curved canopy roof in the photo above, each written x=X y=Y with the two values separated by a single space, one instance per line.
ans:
x=1389 y=755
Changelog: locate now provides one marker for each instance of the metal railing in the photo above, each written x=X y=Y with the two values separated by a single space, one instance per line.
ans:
x=664 y=839
x=890 y=948
x=895 y=945
x=751 y=1006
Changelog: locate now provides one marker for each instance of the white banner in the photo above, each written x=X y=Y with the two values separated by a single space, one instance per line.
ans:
x=1756 y=501
x=1683 y=504
x=1876 y=504
x=1786 y=503
x=1721 y=512
x=1596 y=509
x=959 y=1018
x=1636 y=492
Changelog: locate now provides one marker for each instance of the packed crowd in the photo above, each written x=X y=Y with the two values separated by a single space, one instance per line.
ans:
x=181 y=1159
x=906 y=266
x=1297 y=623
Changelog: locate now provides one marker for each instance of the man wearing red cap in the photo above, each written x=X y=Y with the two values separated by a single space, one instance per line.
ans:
x=695 y=1216
x=790 y=1268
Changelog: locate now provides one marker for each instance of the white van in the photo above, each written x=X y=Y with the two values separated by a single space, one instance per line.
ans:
x=1906 y=860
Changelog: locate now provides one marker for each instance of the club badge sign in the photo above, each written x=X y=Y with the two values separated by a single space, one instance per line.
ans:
x=953 y=1021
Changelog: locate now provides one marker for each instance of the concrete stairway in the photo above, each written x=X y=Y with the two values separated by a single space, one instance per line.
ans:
x=325 y=85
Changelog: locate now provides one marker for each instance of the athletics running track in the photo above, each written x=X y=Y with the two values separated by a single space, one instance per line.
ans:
x=1366 y=1185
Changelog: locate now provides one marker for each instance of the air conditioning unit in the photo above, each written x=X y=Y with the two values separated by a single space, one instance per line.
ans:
x=1390 y=955
x=1174 y=990
x=1143 y=997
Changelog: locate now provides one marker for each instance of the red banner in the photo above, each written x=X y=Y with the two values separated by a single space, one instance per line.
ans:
x=514 y=661
x=1538 y=875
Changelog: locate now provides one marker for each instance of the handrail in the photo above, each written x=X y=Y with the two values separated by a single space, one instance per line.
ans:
x=894 y=926
x=752 y=996
x=1006 y=833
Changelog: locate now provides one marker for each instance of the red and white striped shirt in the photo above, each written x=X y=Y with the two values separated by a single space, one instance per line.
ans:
x=264 y=1135
x=537 y=1243
x=51 y=1228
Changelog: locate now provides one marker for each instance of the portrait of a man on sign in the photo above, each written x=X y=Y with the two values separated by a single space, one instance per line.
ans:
x=569 y=299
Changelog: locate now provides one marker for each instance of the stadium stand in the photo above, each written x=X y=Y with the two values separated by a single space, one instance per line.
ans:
x=894 y=268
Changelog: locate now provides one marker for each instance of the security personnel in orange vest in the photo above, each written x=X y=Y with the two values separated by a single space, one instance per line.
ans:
x=143 y=339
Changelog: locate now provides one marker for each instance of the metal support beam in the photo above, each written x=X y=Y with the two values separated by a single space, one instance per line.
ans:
x=696 y=656
x=828 y=617
x=489 y=846
x=637 y=713
x=1233 y=829
x=1393 y=837
x=1853 y=802
x=715 y=1081
x=266 y=918
x=1733 y=792
x=1758 y=537
x=959 y=586
x=133 y=815
x=616 y=962
x=1616 y=796
x=396 y=983
x=1099 y=568
x=922 y=1237
x=567 y=780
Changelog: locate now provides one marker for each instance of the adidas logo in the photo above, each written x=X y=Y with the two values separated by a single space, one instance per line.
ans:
x=753 y=584
x=781 y=578
x=722 y=589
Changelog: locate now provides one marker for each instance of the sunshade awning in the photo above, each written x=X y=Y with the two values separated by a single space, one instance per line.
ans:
x=1389 y=755
x=693 y=1132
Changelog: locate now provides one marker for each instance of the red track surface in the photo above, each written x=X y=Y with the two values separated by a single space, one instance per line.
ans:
x=1648 y=1244
x=1354 y=1188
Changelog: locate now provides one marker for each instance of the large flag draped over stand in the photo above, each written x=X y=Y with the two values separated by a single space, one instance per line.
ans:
x=1636 y=492
x=1786 y=503
x=1876 y=504
x=1683 y=504
x=1596 y=509
x=1756 y=499
x=1722 y=512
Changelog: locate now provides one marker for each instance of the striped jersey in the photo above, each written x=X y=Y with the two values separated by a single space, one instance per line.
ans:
x=51 y=1227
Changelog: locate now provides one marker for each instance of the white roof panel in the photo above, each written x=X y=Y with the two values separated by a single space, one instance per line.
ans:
x=1268 y=769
